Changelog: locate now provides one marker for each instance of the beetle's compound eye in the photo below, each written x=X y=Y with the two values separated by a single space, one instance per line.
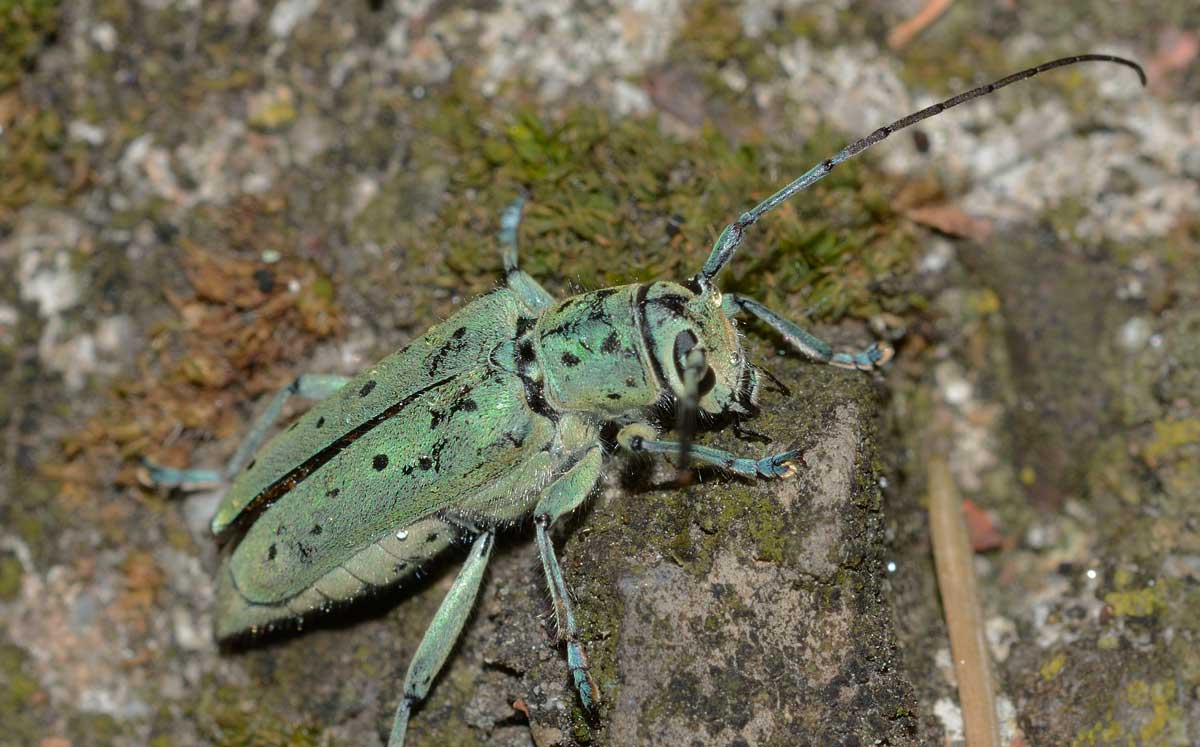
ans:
x=685 y=342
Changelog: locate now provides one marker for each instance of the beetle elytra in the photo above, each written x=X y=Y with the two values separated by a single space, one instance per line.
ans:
x=507 y=409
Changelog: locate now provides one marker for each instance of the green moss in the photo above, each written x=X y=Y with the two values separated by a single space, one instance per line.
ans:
x=1136 y=603
x=1170 y=436
x=10 y=577
x=23 y=26
x=224 y=718
x=1150 y=716
x=1054 y=667
x=273 y=109
x=618 y=201
x=17 y=692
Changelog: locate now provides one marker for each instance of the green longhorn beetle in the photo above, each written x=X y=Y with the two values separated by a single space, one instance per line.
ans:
x=505 y=409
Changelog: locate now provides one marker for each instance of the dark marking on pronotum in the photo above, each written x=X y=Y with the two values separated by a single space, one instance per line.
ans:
x=366 y=388
x=629 y=382
x=271 y=552
x=408 y=469
x=647 y=336
x=400 y=566
x=379 y=462
x=251 y=464
x=432 y=537
x=524 y=323
x=458 y=333
x=570 y=360
x=315 y=530
x=611 y=343
x=424 y=462
x=304 y=551
x=321 y=422
x=333 y=493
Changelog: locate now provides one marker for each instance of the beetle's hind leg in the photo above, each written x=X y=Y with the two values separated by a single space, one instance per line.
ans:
x=640 y=438
x=806 y=342
x=530 y=291
x=441 y=634
x=309 y=386
x=561 y=497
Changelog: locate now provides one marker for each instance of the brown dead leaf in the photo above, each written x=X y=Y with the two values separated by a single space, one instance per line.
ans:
x=981 y=528
x=909 y=29
x=1176 y=51
x=951 y=221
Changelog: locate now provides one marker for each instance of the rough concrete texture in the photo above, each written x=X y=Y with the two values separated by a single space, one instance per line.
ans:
x=200 y=200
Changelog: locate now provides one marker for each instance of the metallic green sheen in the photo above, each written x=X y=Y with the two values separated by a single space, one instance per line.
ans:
x=595 y=361
x=438 y=355
x=458 y=439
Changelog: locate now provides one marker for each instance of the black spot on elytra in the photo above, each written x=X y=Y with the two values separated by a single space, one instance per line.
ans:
x=279 y=530
x=379 y=462
x=424 y=462
x=400 y=566
x=304 y=551
x=292 y=427
x=408 y=469
x=611 y=343
x=629 y=382
x=367 y=388
x=251 y=464
x=315 y=530
x=516 y=439
x=271 y=552
x=432 y=537
x=321 y=422
x=333 y=493
x=570 y=360
x=613 y=395
x=458 y=333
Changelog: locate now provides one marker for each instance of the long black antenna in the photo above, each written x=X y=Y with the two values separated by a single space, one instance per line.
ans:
x=731 y=238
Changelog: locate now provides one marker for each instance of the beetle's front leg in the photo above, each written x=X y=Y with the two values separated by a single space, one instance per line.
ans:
x=641 y=438
x=561 y=497
x=309 y=386
x=806 y=342
x=441 y=634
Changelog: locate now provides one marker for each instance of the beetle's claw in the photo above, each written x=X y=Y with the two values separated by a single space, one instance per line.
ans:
x=880 y=353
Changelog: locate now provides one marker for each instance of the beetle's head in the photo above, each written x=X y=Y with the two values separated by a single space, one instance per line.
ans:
x=678 y=322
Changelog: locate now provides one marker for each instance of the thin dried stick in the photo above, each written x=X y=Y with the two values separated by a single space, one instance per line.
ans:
x=953 y=556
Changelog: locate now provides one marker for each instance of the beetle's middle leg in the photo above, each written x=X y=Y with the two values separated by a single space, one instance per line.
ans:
x=309 y=386
x=530 y=291
x=561 y=497
x=441 y=634
x=806 y=342
x=641 y=438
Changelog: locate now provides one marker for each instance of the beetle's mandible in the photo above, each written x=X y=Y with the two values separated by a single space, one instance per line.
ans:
x=505 y=410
